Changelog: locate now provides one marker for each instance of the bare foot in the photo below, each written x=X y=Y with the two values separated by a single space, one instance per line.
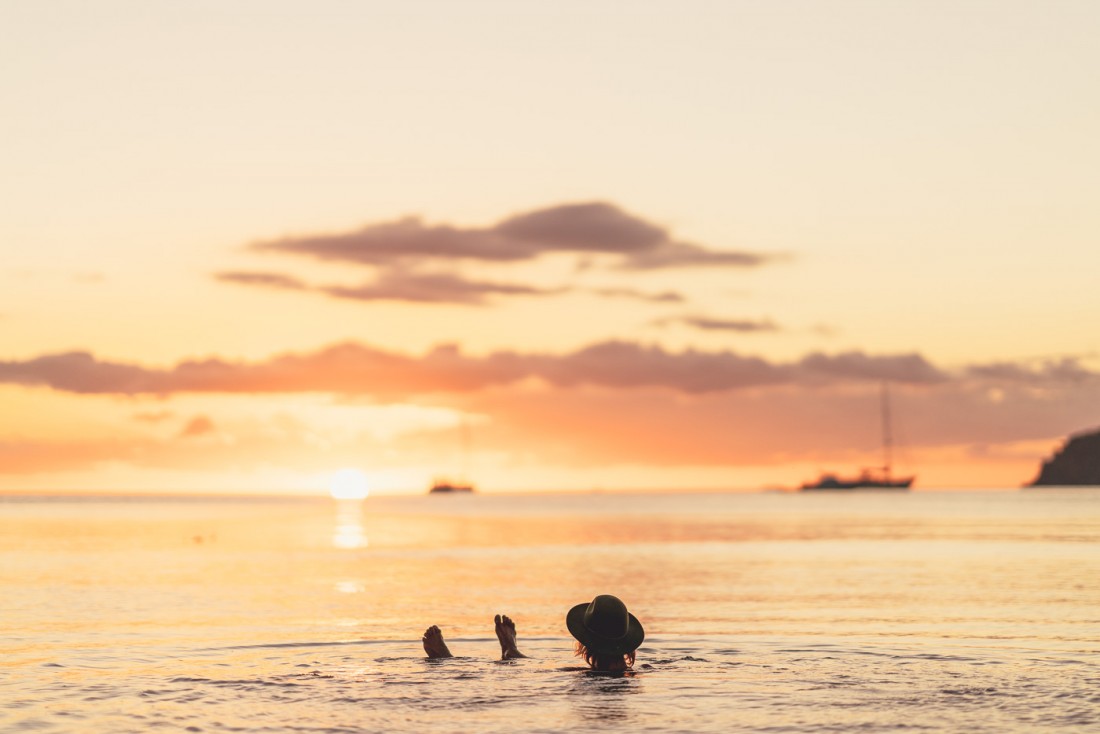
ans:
x=434 y=644
x=506 y=633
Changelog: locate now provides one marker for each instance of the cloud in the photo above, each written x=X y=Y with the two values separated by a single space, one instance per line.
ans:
x=679 y=254
x=586 y=228
x=358 y=369
x=625 y=364
x=648 y=426
x=379 y=244
x=433 y=288
x=904 y=368
x=200 y=425
x=397 y=284
x=614 y=402
x=79 y=372
x=264 y=279
x=399 y=250
x=1063 y=370
x=711 y=324
x=661 y=297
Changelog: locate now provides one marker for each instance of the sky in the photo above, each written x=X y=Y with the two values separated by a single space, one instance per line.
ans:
x=546 y=246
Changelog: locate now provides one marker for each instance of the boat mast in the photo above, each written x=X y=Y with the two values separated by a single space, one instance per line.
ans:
x=887 y=438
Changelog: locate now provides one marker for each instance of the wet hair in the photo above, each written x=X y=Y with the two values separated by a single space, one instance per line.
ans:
x=604 y=662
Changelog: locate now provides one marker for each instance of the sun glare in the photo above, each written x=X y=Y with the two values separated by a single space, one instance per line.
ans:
x=348 y=484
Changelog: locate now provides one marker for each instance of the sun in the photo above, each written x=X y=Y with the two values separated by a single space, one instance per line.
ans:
x=348 y=484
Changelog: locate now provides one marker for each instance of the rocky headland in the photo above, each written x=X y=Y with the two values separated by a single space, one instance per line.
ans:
x=1076 y=464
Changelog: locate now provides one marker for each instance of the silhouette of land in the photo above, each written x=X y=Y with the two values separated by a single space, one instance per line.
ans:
x=1076 y=464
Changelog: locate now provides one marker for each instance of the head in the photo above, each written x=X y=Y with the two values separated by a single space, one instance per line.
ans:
x=605 y=662
x=607 y=634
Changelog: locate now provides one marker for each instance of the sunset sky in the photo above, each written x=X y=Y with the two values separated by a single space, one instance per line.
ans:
x=617 y=245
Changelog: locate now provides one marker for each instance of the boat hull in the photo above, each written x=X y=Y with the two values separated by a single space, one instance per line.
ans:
x=833 y=484
x=449 y=488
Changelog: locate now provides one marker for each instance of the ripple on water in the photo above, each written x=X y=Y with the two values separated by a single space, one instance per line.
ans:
x=699 y=686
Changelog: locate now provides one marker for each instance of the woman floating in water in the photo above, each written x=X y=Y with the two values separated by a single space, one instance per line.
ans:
x=607 y=635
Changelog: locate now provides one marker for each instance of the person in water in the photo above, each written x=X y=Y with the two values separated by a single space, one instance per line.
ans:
x=607 y=635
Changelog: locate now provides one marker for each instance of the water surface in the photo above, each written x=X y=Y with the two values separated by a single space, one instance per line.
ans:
x=764 y=612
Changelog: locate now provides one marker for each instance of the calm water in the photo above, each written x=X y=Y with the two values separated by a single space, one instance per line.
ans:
x=764 y=612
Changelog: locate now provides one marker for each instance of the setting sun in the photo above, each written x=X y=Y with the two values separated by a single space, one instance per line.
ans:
x=348 y=484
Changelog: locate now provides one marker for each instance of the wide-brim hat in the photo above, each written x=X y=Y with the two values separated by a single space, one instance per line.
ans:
x=604 y=626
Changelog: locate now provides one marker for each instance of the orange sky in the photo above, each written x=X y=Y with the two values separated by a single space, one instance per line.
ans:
x=248 y=245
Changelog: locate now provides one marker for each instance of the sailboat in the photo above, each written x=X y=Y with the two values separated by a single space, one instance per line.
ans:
x=444 y=486
x=873 y=478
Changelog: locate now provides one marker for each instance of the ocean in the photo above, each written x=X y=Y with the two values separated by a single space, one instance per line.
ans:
x=764 y=612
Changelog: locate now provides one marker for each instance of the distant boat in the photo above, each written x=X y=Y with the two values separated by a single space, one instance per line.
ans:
x=443 y=486
x=867 y=479
x=873 y=478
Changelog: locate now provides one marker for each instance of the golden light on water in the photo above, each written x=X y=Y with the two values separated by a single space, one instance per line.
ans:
x=349 y=484
x=348 y=533
x=349 y=488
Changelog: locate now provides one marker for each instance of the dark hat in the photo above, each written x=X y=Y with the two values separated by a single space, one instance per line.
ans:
x=605 y=627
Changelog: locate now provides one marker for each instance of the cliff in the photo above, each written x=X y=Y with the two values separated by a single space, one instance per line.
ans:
x=1077 y=463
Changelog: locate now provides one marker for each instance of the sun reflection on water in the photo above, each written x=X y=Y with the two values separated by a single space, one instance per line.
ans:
x=348 y=533
x=350 y=587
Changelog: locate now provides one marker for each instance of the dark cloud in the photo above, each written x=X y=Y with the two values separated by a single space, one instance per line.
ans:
x=359 y=369
x=265 y=279
x=588 y=228
x=344 y=368
x=679 y=254
x=200 y=425
x=1064 y=370
x=80 y=372
x=711 y=324
x=396 y=285
x=625 y=364
x=905 y=368
x=379 y=244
